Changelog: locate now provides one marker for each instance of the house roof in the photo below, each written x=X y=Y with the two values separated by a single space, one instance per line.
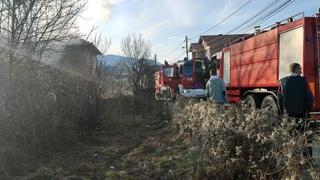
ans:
x=77 y=42
x=195 y=47
x=220 y=39
x=214 y=41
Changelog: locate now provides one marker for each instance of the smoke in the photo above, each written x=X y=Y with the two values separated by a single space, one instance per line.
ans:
x=96 y=13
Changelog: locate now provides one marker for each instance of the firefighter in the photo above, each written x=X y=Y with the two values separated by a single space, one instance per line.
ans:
x=216 y=88
x=295 y=98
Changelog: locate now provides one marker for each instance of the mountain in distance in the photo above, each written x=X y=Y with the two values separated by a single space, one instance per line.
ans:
x=113 y=60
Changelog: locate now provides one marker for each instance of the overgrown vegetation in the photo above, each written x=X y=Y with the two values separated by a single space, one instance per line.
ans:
x=42 y=109
x=235 y=142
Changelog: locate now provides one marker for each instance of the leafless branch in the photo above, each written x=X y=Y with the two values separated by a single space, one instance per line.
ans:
x=137 y=49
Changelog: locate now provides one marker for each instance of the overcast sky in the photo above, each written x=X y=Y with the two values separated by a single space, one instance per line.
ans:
x=166 y=22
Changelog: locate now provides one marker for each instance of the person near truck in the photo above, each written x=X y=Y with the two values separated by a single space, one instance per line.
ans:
x=216 y=89
x=295 y=98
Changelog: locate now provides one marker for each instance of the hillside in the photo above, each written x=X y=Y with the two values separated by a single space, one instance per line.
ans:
x=112 y=60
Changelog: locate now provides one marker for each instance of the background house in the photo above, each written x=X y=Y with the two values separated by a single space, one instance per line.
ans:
x=209 y=45
x=79 y=56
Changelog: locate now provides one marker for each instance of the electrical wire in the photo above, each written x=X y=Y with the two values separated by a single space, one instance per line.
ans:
x=210 y=28
x=269 y=15
x=223 y=20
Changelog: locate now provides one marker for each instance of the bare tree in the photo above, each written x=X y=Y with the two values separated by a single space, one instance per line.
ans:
x=32 y=26
x=102 y=42
x=137 y=49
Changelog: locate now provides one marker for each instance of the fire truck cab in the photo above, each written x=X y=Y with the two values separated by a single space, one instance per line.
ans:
x=194 y=76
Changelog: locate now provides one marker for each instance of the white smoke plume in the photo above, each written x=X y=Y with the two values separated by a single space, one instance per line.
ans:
x=95 y=13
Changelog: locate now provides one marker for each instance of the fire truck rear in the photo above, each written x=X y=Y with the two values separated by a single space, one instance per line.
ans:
x=167 y=79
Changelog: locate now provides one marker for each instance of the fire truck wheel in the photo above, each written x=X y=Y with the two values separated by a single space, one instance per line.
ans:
x=269 y=103
x=250 y=101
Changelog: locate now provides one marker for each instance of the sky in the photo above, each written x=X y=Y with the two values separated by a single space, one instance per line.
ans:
x=165 y=23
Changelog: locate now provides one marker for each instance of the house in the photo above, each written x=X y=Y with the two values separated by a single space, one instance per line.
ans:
x=208 y=45
x=80 y=56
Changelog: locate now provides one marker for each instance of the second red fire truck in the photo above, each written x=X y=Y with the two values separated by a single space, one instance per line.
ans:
x=187 y=78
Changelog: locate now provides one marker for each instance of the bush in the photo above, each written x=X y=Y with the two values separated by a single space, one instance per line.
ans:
x=42 y=108
x=235 y=142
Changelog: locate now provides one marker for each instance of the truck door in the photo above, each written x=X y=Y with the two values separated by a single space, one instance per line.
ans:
x=290 y=50
x=226 y=67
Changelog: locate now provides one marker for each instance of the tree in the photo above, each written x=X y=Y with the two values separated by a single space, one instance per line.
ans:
x=137 y=49
x=34 y=26
x=28 y=29
x=103 y=43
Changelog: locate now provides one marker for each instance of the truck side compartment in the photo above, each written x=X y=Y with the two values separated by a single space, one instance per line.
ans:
x=252 y=68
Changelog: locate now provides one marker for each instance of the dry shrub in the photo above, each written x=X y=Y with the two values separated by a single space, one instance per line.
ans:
x=235 y=142
x=43 y=108
x=119 y=109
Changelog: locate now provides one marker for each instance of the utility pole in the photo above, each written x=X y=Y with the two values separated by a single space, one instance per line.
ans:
x=155 y=59
x=187 y=46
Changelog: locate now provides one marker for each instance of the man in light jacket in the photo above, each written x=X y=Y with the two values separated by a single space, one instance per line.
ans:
x=216 y=89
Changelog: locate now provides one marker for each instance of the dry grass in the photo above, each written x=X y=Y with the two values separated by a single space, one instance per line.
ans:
x=235 y=142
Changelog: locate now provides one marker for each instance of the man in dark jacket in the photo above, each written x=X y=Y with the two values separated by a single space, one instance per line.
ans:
x=296 y=100
x=294 y=94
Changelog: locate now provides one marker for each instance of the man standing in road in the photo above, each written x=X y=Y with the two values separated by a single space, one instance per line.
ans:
x=294 y=94
x=216 y=89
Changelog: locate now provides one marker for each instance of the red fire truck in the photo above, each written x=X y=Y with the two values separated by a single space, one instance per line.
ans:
x=252 y=67
x=194 y=76
x=166 y=82
x=187 y=78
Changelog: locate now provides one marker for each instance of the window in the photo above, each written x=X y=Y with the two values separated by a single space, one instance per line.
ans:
x=200 y=67
x=169 y=71
x=187 y=69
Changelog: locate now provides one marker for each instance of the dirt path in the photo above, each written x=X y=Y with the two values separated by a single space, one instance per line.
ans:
x=141 y=147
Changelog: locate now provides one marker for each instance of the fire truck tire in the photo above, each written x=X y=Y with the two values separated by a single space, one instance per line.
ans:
x=250 y=101
x=269 y=103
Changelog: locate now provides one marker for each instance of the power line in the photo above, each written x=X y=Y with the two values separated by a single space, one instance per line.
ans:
x=210 y=28
x=277 y=9
x=268 y=15
x=262 y=19
x=181 y=44
x=263 y=10
x=255 y=16
x=292 y=1
x=220 y=22
x=178 y=57
x=265 y=17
